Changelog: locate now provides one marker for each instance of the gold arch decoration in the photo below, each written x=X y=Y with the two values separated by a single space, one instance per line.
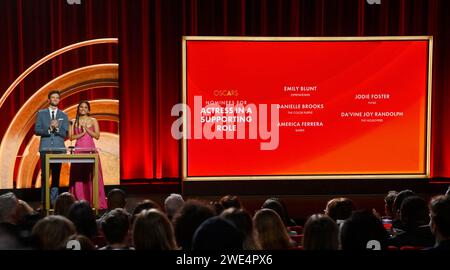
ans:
x=89 y=77
x=50 y=56
x=102 y=109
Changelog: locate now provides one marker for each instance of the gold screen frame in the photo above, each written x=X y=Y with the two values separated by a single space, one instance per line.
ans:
x=184 y=160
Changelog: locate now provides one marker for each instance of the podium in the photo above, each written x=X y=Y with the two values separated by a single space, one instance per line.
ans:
x=71 y=158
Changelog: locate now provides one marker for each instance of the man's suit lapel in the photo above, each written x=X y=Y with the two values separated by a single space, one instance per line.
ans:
x=47 y=115
x=59 y=114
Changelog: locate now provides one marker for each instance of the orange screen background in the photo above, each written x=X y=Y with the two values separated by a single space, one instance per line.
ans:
x=258 y=71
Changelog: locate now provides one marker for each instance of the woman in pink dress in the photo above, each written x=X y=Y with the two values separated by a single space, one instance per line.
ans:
x=84 y=129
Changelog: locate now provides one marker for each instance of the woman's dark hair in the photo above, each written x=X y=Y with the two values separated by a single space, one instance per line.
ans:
x=276 y=205
x=339 y=208
x=145 y=205
x=63 y=203
x=52 y=232
x=152 y=230
x=229 y=201
x=362 y=226
x=217 y=233
x=188 y=219
x=115 y=226
x=77 y=119
x=243 y=222
x=82 y=215
x=320 y=233
x=414 y=212
x=401 y=196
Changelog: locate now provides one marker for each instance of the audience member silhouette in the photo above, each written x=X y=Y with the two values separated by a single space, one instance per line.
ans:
x=242 y=220
x=415 y=223
x=152 y=230
x=363 y=226
x=188 y=219
x=217 y=233
x=401 y=196
x=272 y=233
x=116 y=227
x=172 y=204
x=53 y=232
x=83 y=217
x=440 y=221
x=339 y=209
x=229 y=201
x=320 y=233
x=63 y=203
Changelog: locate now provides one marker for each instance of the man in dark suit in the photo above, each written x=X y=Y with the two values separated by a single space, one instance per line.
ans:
x=440 y=221
x=52 y=126
x=415 y=223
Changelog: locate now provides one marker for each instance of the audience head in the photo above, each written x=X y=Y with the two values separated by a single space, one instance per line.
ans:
x=229 y=201
x=116 y=199
x=217 y=233
x=9 y=208
x=23 y=209
x=389 y=202
x=52 y=232
x=152 y=230
x=85 y=243
x=289 y=221
x=320 y=233
x=63 y=203
x=9 y=240
x=339 y=208
x=196 y=227
x=440 y=217
x=82 y=215
x=243 y=222
x=188 y=219
x=275 y=205
x=272 y=234
x=145 y=205
x=115 y=226
x=414 y=212
x=362 y=227
x=26 y=218
x=401 y=196
x=172 y=204
x=217 y=207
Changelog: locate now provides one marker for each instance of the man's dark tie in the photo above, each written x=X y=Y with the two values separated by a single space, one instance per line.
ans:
x=53 y=115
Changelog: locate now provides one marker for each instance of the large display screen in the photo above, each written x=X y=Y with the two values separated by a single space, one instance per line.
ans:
x=305 y=108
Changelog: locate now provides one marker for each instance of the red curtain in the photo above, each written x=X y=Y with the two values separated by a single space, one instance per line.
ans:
x=34 y=29
x=31 y=30
x=150 y=33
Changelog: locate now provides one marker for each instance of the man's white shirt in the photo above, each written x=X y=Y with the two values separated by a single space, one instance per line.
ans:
x=55 y=112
